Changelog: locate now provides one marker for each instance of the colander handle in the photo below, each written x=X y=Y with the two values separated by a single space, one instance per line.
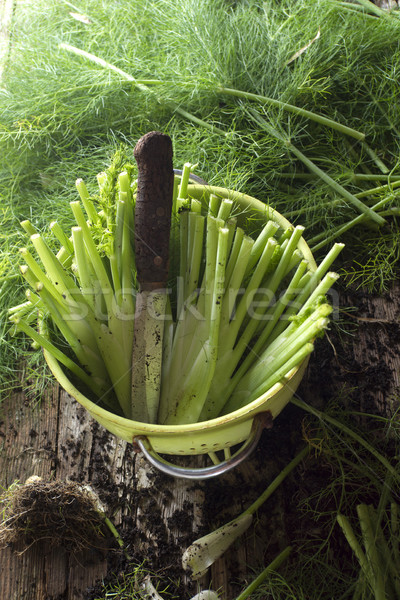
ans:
x=261 y=421
x=192 y=177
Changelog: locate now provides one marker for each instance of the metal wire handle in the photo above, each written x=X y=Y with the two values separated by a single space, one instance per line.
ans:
x=192 y=177
x=143 y=445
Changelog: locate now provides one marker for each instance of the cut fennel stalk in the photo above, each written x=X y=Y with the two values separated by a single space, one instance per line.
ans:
x=203 y=552
x=243 y=304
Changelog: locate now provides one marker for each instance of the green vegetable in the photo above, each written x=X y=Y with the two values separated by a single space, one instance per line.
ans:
x=77 y=111
x=203 y=552
x=379 y=560
x=273 y=566
x=229 y=329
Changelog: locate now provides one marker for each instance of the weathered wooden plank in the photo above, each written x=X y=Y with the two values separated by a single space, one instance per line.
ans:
x=165 y=514
x=13 y=581
x=28 y=437
x=58 y=440
x=37 y=441
x=377 y=351
x=159 y=516
x=363 y=368
x=237 y=490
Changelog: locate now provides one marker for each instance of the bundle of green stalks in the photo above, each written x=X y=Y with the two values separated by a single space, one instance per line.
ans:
x=296 y=104
x=378 y=555
x=243 y=308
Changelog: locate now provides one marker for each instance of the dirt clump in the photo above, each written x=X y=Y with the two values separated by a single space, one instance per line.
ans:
x=56 y=513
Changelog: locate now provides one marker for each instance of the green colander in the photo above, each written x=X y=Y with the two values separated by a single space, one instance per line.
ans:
x=243 y=426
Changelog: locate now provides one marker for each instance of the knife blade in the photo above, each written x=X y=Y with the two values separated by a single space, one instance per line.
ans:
x=153 y=154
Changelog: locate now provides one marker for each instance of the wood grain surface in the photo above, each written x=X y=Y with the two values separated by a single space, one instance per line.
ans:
x=55 y=438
